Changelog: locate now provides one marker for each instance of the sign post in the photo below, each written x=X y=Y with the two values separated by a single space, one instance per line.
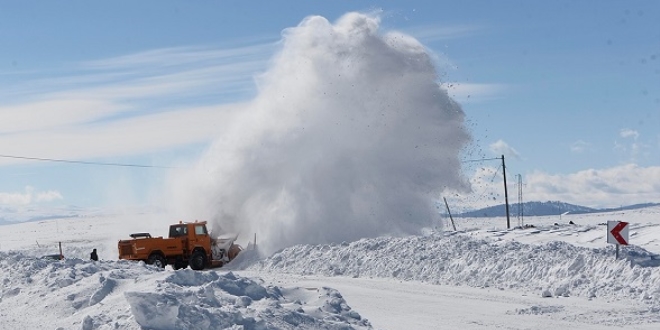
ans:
x=617 y=233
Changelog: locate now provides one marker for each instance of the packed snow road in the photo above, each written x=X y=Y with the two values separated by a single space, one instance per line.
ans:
x=403 y=305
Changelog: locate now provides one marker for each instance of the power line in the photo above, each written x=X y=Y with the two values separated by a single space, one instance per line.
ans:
x=491 y=180
x=84 y=162
x=479 y=160
x=506 y=194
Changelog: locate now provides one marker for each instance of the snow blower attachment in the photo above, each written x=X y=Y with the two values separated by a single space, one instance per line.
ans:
x=189 y=244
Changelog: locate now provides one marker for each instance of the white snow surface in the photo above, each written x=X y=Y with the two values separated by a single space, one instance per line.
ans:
x=553 y=275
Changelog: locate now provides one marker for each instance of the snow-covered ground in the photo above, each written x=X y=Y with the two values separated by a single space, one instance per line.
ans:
x=549 y=276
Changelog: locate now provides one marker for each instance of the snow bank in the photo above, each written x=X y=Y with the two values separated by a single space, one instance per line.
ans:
x=75 y=293
x=557 y=267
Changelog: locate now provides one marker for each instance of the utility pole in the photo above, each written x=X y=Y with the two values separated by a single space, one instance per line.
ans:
x=506 y=196
x=449 y=212
x=520 y=201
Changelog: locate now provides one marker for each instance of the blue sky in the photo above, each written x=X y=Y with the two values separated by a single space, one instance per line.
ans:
x=568 y=91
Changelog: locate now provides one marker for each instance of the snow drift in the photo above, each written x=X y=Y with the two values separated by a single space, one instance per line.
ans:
x=75 y=293
x=555 y=267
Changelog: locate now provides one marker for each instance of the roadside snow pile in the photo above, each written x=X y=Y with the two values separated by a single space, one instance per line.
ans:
x=557 y=267
x=128 y=295
x=207 y=300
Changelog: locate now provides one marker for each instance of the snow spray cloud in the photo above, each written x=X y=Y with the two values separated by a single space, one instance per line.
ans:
x=350 y=136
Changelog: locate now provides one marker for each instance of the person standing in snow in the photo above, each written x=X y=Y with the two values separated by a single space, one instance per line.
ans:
x=94 y=256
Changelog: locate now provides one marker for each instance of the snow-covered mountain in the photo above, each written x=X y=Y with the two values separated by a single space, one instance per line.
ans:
x=544 y=209
x=16 y=214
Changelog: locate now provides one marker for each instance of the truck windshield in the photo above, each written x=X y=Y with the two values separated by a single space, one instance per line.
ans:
x=200 y=230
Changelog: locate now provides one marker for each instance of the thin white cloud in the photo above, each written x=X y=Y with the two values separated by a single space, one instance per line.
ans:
x=472 y=92
x=148 y=102
x=600 y=188
x=629 y=133
x=14 y=198
x=631 y=148
x=122 y=137
x=428 y=34
x=580 y=146
x=125 y=70
x=431 y=33
x=502 y=148
x=48 y=196
x=180 y=56
x=44 y=114
x=611 y=187
x=28 y=197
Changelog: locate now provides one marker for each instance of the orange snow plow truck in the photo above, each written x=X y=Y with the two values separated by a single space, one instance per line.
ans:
x=189 y=244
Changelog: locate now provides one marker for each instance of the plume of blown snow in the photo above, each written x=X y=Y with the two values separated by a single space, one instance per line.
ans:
x=350 y=136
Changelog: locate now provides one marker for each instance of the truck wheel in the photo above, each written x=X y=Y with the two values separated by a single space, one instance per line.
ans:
x=157 y=260
x=197 y=260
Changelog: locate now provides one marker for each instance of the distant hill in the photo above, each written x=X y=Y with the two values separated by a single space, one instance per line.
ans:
x=543 y=208
x=12 y=215
x=630 y=207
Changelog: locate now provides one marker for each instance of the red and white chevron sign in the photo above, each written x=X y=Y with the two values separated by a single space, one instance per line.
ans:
x=617 y=232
